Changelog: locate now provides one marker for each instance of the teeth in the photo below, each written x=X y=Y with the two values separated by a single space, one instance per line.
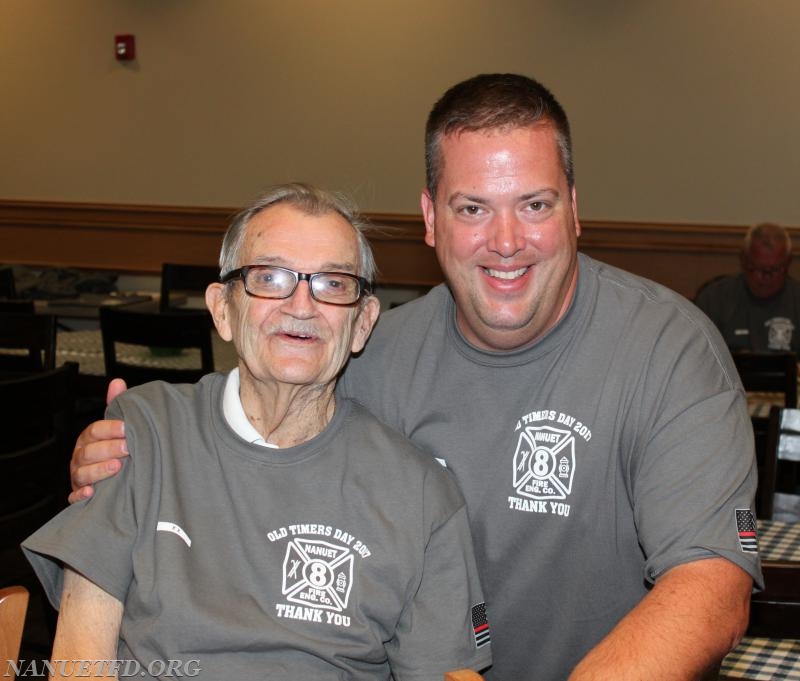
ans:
x=506 y=275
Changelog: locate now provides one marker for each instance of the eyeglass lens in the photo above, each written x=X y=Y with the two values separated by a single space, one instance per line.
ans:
x=337 y=288
x=766 y=271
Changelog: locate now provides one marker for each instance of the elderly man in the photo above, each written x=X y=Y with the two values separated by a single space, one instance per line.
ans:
x=758 y=309
x=263 y=527
x=593 y=419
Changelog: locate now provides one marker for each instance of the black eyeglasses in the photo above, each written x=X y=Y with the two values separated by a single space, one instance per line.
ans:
x=767 y=271
x=269 y=281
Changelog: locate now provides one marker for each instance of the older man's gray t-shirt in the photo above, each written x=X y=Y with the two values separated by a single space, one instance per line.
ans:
x=333 y=559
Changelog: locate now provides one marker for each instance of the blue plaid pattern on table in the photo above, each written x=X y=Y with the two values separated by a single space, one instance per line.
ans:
x=779 y=540
x=767 y=659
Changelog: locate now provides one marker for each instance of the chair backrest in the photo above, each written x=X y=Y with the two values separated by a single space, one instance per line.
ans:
x=7 y=287
x=781 y=459
x=17 y=306
x=178 y=278
x=37 y=427
x=13 y=607
x=163 y=333
x=769 y=372
x=775 y=612
x=34 y=335
x=778 y=469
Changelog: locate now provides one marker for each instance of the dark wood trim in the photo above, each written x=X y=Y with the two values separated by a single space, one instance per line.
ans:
x=137 y=238
x=105 y=236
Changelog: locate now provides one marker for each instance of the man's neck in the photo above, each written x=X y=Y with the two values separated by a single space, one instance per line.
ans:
x=287 y=415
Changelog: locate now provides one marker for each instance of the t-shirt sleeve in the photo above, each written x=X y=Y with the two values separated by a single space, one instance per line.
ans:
x=94 y=537
x=445 y=624
x=694 y=471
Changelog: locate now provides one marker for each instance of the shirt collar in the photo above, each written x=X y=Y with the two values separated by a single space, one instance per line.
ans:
x=234 y=413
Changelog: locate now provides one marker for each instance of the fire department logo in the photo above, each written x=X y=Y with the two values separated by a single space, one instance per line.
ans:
x=779 y=333
x=317 y=574
x=544 y=463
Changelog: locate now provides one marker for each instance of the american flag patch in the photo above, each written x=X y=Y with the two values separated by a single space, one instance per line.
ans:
x=746 y=527
x=480 y=625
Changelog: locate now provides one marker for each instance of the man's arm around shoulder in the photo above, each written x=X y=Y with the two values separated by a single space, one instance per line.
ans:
x=98 y=450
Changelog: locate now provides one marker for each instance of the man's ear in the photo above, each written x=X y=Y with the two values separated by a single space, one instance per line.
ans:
x=217 y=304
x=574 y=200
x=429 y=215
x=365 y=322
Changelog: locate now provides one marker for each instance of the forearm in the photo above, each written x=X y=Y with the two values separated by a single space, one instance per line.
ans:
x=88 y=629
x=694 y=615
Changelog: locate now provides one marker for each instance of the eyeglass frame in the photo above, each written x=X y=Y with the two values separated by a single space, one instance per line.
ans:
x=364 y=285
x=767 y=271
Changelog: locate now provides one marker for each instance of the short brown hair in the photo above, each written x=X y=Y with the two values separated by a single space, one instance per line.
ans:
x=490 y=101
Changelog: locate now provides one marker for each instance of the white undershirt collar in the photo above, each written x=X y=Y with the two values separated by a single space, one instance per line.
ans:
x=234 y=413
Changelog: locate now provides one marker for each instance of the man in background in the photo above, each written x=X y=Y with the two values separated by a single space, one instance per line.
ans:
x=593 y=419
x=759 y=308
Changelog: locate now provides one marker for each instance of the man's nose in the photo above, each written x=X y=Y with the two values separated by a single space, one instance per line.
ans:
x=507 y=236
x=301 y=303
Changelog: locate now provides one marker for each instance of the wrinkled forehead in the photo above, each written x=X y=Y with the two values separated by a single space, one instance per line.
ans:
x=286 y=234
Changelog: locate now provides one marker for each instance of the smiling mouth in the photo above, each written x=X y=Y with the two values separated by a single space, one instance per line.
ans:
x=500 y=274
x=297 y=336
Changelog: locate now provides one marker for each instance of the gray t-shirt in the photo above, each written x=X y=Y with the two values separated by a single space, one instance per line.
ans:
x=607 y=452
x=750 y=323
x=344 y=557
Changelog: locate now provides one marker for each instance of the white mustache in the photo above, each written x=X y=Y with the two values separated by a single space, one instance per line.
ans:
x=295 y=328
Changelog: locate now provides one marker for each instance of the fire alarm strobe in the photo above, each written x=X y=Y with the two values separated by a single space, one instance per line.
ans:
x=125 y=47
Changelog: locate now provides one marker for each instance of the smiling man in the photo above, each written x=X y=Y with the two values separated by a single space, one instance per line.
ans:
x=594 y=420
x=264 y=527
x=507 y=243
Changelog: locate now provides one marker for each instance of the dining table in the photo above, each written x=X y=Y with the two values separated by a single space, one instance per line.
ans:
x=769 y=659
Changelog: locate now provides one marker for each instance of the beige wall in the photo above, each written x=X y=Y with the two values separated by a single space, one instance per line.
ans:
x=682 y=110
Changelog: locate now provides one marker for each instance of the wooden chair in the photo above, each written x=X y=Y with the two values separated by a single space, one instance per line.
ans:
x=16 y=306
x=775 y=612
x=178 y=278
x=774 y=372
x=33 y=334
x=168 y=331
x=7 y=286
x=37 y=428
x=777 y=470
x=13 y=607
x=769 y=373
x=38 y=432
x=463 y=675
